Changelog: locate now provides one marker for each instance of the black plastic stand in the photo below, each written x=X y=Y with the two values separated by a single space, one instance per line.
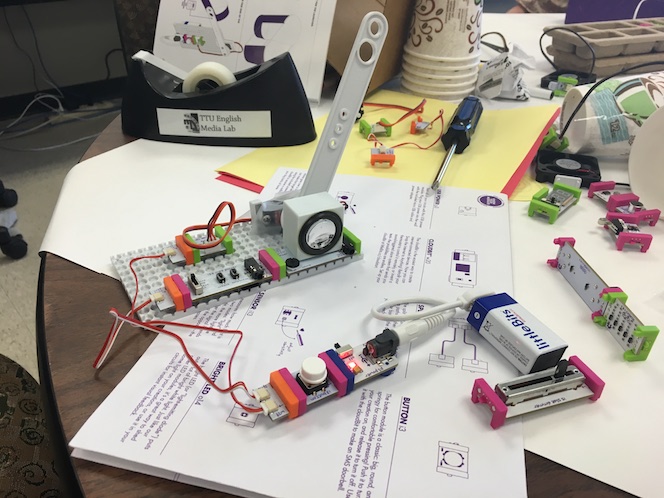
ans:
x=266 y=106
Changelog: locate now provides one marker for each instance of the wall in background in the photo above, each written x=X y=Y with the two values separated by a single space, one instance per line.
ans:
x=73 y=37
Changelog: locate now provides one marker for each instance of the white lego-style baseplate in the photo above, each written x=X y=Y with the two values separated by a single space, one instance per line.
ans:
x=151 y=272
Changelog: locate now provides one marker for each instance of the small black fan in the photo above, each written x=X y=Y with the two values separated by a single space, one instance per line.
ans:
x=551 y=163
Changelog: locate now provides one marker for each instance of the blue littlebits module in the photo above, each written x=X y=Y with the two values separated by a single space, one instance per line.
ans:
x=525 y=341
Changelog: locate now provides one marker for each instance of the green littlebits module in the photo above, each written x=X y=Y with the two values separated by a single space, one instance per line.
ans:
x=553 y=142
x=564 y=194
x=563 y=84
x=616 y=316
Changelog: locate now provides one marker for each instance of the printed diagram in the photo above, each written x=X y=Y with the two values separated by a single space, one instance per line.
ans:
x=463 y=268
x=469 y=362
x=289 y=320
x=238 y=416
x=202 y=30
x=346 y=200
x=467 y=211
x=273 y=34
x=452 y=459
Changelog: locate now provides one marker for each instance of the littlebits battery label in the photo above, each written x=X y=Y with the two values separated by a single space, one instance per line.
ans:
x=517 y=322
x=201 y=123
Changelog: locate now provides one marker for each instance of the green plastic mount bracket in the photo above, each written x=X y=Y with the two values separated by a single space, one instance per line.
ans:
x=539 y=206
x=227 y=242
x=610 y=297
x=365 y=128
x=388 y=129
x=552 y=142
x=649 y=333
x=196 y=252
x=357 y=243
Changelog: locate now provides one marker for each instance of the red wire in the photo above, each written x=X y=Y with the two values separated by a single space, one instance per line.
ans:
x=212 y=240
x=418 y=109
x=232 y=386
x=371 y=136
x=133 y=272
x=151 y=326
x=119 y=319
x=409 y=111
x=440 y=135
x=109 y=337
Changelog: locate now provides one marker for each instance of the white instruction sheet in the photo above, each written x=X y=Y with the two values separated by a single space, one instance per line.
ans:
x=415 y=432
x=241 y=34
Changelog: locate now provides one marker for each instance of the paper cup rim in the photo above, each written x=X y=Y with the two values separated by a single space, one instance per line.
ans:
x=577 y=131
x=646 y=149
x=435 y=58
x=435 y=84
x=436 y=65
x=442 y=94
x=439 y=75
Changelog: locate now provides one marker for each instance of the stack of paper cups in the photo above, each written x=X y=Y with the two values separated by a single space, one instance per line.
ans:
x=442 y=55
x=612 y=115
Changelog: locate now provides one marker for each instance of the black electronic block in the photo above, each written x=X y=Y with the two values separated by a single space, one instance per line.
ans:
x=551 y=163
x=582 y=78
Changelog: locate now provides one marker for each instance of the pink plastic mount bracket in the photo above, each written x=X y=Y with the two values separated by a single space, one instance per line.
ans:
x=605 y=291
x=594 y=383
x=595 y=186
x=482 y=393
x=642 y=239
x=617 y=200
x=637 y=217
x=561 y=241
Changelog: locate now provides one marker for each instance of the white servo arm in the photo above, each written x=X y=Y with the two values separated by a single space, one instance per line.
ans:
x=347 y=102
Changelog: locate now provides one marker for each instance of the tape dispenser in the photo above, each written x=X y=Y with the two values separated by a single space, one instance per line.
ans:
x=263 y=106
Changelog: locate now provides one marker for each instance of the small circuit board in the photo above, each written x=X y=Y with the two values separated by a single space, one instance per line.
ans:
x=382 y=128
x=382 y=154
x=626 y=233
x=335 y=372
x=607 y=304
x=622 y=205
x=552 y=204
x=188 y=280
x=570 y=380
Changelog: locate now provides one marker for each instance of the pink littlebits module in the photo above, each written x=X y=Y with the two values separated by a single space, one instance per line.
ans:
x=525 y=341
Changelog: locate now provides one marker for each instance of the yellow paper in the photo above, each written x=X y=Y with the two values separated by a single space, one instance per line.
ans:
x=501 y=141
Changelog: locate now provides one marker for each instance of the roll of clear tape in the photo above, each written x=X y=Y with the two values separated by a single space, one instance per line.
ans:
x=611 y=117
x=207 y=71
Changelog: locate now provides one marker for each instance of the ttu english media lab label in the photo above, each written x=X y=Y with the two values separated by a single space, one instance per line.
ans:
x=197 y=123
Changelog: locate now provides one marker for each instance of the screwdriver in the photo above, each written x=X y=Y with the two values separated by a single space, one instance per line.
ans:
x=459 y=131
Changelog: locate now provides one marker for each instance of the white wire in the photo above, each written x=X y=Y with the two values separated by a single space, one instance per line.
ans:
x=438 y=307
x=638 y=8
x=24 y=132
x=116 y=330
x=59 y=123
x=41 y=96
x=38 y=98
x=123 y=319
x=51 y=147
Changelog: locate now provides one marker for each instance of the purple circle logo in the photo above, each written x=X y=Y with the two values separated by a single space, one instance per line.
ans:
x=490 y=200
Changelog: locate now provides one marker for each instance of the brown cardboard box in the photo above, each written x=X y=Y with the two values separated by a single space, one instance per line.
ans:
x=347 y=17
